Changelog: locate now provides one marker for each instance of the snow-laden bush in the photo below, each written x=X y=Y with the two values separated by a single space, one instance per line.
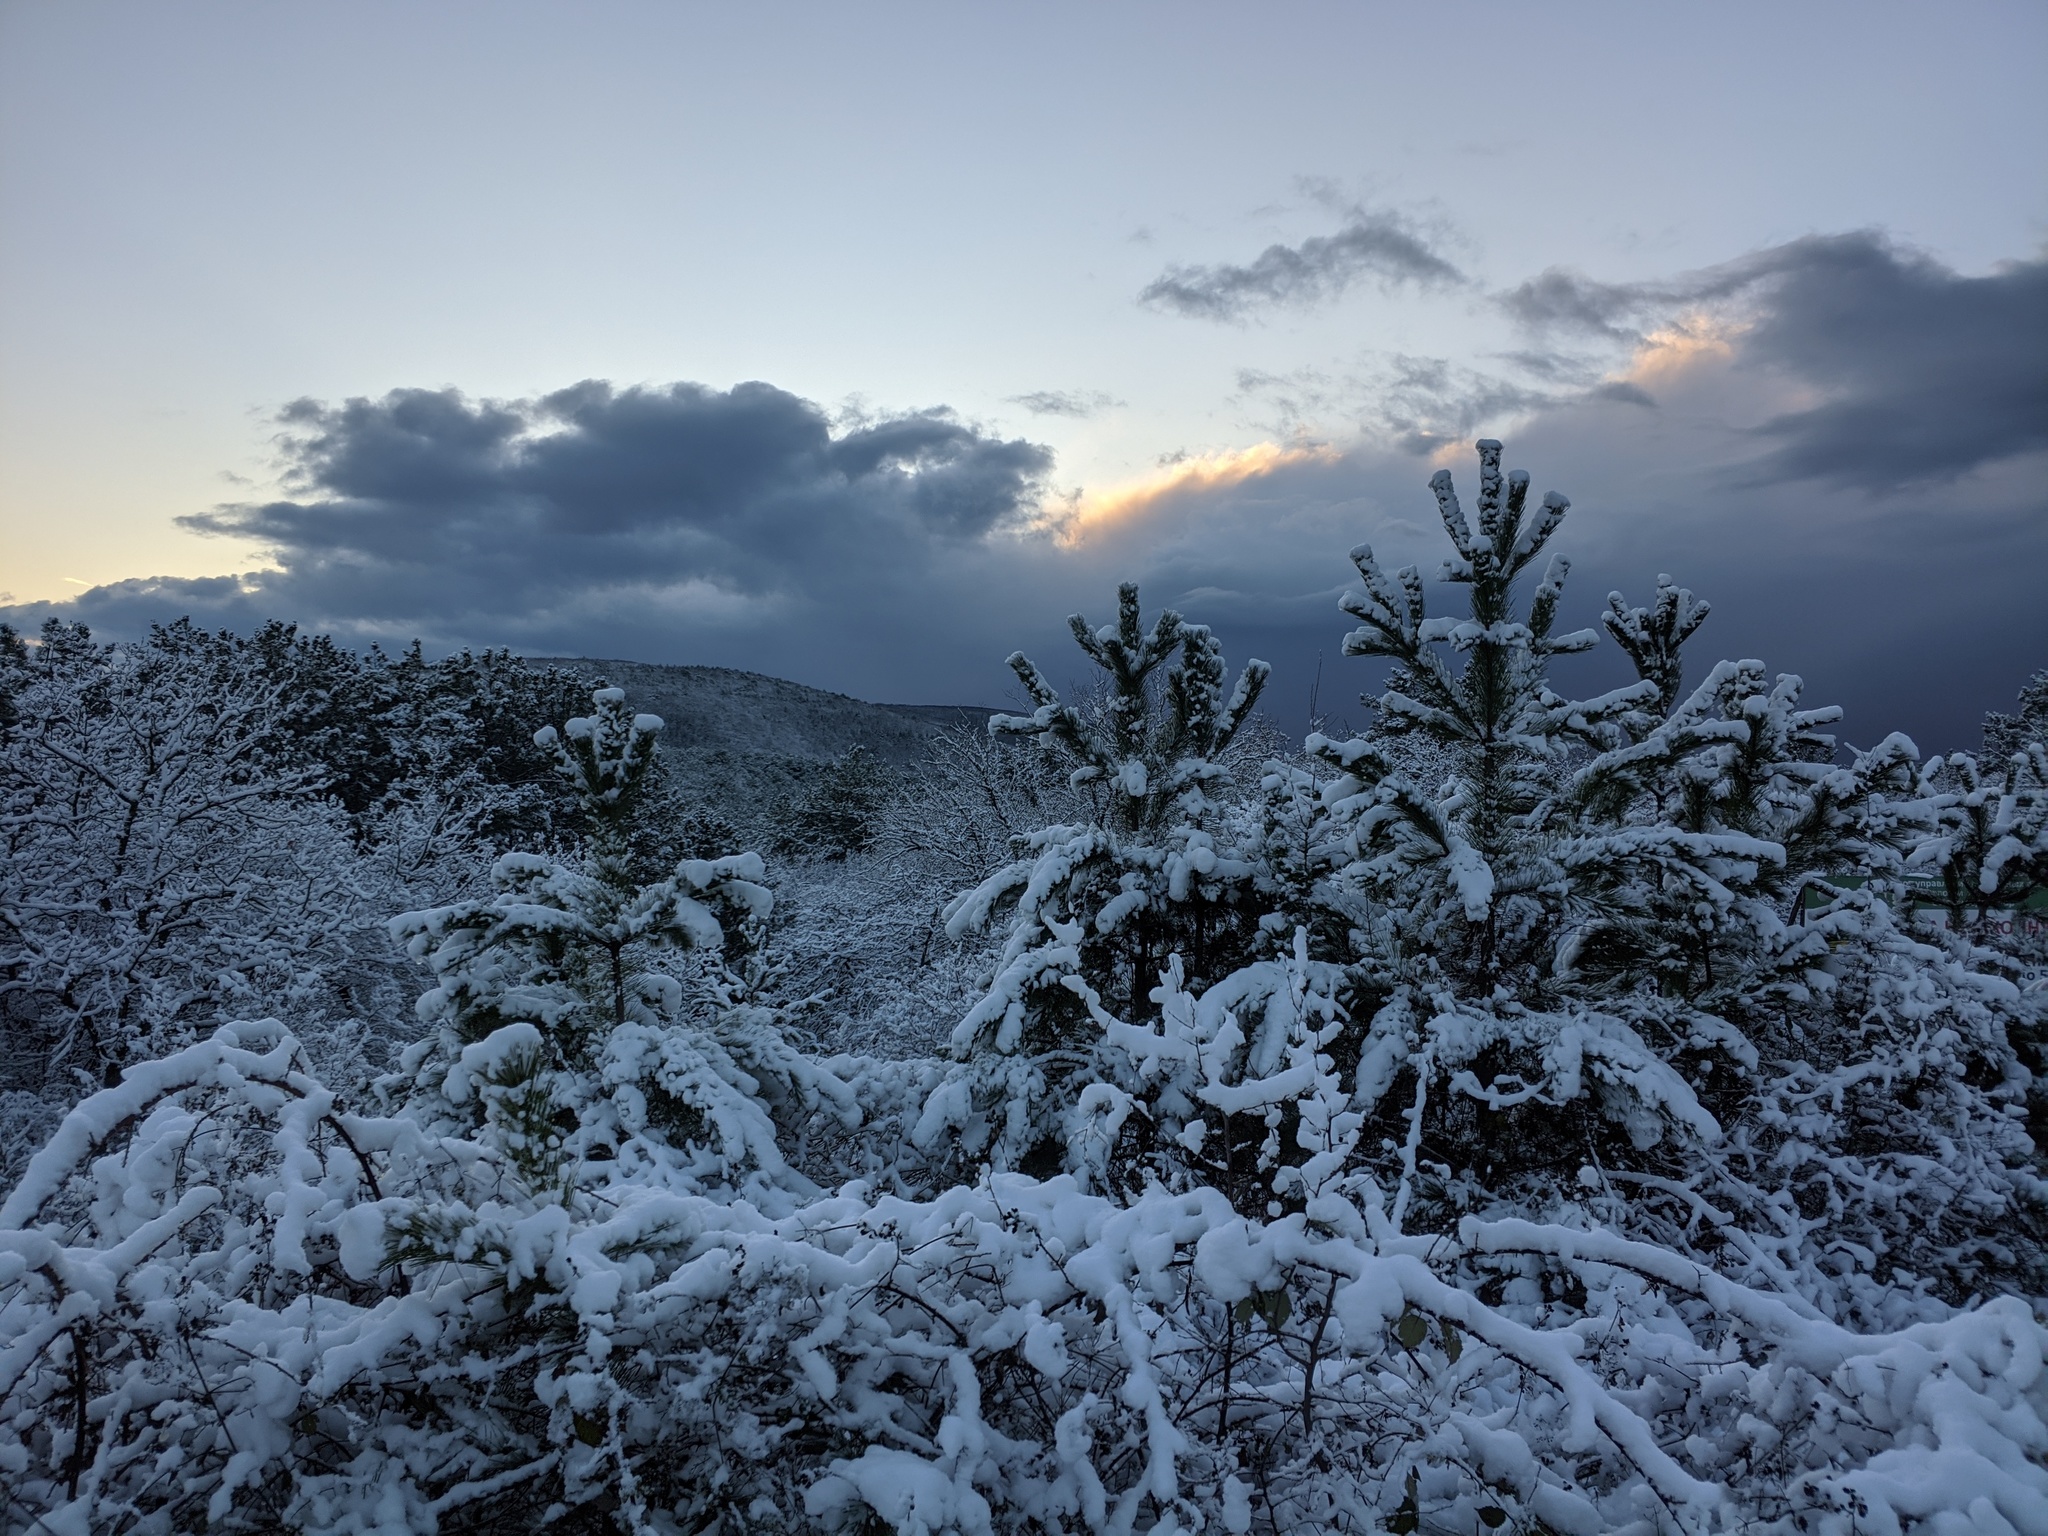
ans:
x=1989 y=846
x=1662 y=934
x=201 y=826
x=567 y=1014
x=160 y=866
x=227 y=1304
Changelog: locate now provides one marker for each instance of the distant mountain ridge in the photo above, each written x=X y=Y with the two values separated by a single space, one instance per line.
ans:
x=721 y=712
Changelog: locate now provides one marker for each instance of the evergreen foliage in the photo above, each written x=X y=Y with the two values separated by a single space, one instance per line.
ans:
x=1659 y=948
x=836 y=809
x=1990 y=842
x=568 y=994
x=1101 y=906
x=2006 y=734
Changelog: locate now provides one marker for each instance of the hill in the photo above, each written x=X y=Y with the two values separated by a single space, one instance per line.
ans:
x=723 y=713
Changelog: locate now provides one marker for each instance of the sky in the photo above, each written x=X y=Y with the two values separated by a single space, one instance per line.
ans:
x=860 y=345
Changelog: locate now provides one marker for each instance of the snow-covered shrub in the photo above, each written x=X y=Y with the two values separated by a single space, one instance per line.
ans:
x=1983 y=862
x=862 y=959
x=227 y=1303
x=204 y=826
x=1663 y=935
x=836 y=807
x=1989 y=846
x=159 y=866
x=2006 y=734
x=866 y=935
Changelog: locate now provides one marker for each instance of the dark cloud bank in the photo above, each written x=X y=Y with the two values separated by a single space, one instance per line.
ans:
x=677 y=523
x=1852 y=473
x=1927 y=374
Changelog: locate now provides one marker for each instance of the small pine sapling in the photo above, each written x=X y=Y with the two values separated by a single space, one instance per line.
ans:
x=1464 y=868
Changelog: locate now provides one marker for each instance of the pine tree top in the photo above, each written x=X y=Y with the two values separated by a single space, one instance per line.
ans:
x=1153 y=740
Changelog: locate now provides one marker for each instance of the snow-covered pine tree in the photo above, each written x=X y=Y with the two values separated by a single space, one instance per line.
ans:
x=1990 y=842
x=606 y=1022
x=1986 y=843
x=1097 y=910
x=835 y=807
x=1861 y=1069
x=1463 y=868
x=1653 y=637
x=2006 y=734
x=1654 y=946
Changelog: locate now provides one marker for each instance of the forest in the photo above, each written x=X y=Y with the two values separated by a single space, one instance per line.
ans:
x=433 y=1101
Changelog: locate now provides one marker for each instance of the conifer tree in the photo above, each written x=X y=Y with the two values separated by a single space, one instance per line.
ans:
x=1989 y=846
x=606 y=1022
x=1465 y=870
x=837 y=807
x=1652 y=934
x=1099 y=909
x=1653 y=636
x=2006 y=734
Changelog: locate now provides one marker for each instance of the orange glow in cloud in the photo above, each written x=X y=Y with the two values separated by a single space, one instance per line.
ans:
x=1686 y=342
x=1099 y=510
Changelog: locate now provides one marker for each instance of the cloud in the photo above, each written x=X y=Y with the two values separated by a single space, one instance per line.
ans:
x=745 y=489
x=1183 y=476
x=1897 y=370
x=1418 y=405
x=1917 y=613
x=1563 y=300
x=601 y=518
x=1426 y=403
x=1927 y=374
x=1079 y=404
x=1378 y=245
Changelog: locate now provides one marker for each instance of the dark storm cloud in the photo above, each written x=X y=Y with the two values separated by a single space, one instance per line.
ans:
x=1929 y=374
x=676 y=523
x=1923 y=374
x=1378 y=245
x=426 y=497
x=1075 y=403
x=126 y=609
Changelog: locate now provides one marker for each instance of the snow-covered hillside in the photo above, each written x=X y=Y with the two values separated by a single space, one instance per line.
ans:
x=711 y=710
